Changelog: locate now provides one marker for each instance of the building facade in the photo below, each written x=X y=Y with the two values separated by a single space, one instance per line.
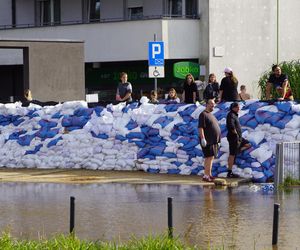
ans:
x=214 y=33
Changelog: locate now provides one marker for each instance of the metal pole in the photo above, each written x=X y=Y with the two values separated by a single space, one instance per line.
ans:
x=72 y=214
x=277 y=167
x=170 y=217
x=275 y=224
x=277 y=31
x=155 y=79
x=281 y=163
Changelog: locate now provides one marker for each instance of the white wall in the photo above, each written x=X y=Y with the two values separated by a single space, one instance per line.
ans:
x=182 y=38
x=122 y=41
x=11 y=56
x=247 y=31
x=5 y=12
x=25 y=12
x=71 y=10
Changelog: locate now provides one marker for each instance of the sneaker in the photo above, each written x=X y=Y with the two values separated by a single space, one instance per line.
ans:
x=211 y=177
x=207 y=178
x=232 y=175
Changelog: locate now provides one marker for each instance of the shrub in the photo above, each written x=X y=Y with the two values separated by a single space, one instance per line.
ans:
x=292 y=69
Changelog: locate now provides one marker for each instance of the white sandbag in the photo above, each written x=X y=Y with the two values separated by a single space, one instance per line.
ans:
x=294 y=123
x=261 y=154
x=255 y=164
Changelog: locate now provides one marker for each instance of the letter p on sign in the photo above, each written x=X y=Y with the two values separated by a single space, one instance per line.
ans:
x=156 y=50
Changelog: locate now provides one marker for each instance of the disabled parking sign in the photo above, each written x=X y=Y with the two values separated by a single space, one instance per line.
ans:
x=156 y=54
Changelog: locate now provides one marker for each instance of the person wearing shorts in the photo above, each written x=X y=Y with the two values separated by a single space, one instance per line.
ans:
x=236 y=142
x=209 y=136
x=280 y=82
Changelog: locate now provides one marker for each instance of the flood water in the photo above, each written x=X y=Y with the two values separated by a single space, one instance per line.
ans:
x=236 y=217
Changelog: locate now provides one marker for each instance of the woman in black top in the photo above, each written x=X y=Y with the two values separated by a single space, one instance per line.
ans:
x=228 y=88
x=212 y=89
x=189 y=89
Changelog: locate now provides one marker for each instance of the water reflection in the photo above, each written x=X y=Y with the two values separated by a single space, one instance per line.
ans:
x=235 y=218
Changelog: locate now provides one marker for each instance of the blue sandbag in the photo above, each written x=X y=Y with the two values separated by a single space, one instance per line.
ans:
x=18 y=122
x=191 y=144
x=100 y=136
x=36 y=149
x=261 y=116
x=169 y=155
x=57 y=115
x=155 y=138
x=145 y=129
x=268 y=173
x=131 y=125
x=275 y=118
x=252 y=123
x=163 y=121
x=142 y=153
x=48 y=124
x=157 y=151
x=16 y=135
x=130 y=106
x=284 y=106
x=189 y=163
x=176 y=163
x=174 y=171
x=54 y=142
x=222 y=169
x=281 y=123
x=87 y=112
x=153 y=170
x=140 y=144
x=120 y=137
x=150 y=157
x=256 y=105
x=153 y=132
x=138 y=135
x=196 y=170
x=245 y=118
x=71 y=128
x=188 y=111
x=98 y=110
x=220 y=114
x=25 y=140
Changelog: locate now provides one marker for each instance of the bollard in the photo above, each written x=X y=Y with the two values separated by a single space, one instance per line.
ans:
x=72 y=214
x=275 y=224
x=170 y=218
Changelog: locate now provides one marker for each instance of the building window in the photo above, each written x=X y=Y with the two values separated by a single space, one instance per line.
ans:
x=181 y=8
x=48 y=12
x=91 y=11
x=94 y=10
x=135 y=13
x=191 y=8
x=174 y=8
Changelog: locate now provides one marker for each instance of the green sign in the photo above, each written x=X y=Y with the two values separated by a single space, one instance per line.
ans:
x=181 y=69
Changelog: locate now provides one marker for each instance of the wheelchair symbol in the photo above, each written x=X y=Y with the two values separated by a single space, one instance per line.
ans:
x=156 y=73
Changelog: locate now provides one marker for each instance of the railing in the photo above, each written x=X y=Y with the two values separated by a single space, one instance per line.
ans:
x=287 y=162
x=91 y=21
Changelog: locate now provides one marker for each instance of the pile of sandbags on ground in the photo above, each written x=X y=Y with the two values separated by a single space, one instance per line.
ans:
x=154 y=138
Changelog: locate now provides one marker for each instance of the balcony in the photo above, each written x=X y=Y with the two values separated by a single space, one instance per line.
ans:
x=109 y=40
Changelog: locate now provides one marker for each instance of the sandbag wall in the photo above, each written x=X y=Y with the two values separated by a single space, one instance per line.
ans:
x=154 y=138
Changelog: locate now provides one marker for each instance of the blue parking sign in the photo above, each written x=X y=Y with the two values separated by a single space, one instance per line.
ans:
x=156 y=54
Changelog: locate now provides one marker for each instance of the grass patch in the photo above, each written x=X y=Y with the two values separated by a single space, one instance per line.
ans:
x=289 y=182
x=69 y=242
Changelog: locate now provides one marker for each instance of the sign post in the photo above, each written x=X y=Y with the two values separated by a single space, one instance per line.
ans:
x=156 y=61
